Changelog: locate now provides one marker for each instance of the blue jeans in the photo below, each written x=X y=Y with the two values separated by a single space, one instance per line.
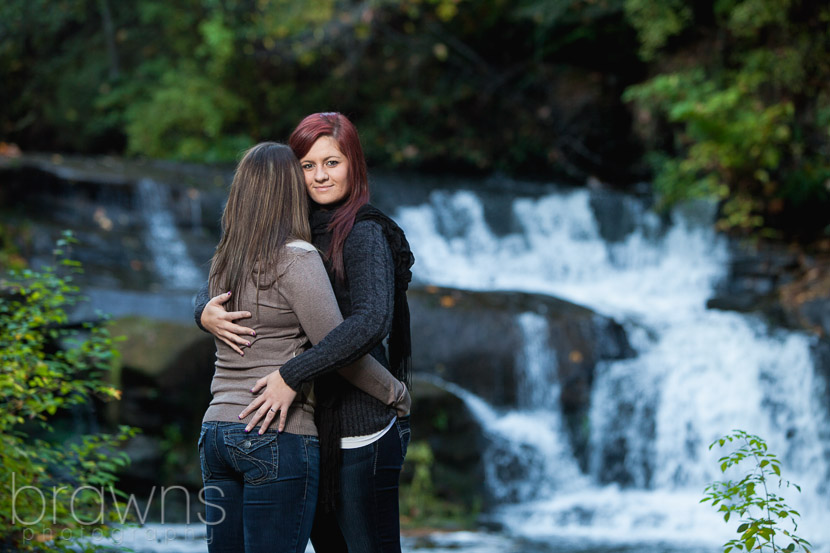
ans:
x=260 y=492
x=367 y=518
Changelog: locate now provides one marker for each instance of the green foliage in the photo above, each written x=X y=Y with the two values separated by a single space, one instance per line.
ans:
x=419 y=504
x=747 y=122
x=656 y=22
x=53 y=65
x=733 y=144
x=737 y=105
x=420 y=491
x=175 y=450
x=46 y=366
x=761 y=510
x=10 y=257
x=202 y=79
x=185 y=118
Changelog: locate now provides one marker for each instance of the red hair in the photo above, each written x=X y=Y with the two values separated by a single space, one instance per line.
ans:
x=337 y=126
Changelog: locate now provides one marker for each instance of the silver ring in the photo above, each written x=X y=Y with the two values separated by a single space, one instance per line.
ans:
x=272 y=410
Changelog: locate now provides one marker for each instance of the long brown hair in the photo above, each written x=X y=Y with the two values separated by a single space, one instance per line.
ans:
x=337 y=126
x=267 y=206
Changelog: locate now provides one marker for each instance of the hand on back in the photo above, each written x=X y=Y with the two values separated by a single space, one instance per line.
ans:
x=219 y=322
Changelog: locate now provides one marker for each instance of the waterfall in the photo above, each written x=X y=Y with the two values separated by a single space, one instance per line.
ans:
x=697 y=375
x=538 y=386
x=559 y=250
x=164 y=242
x=528 y=455
x=194 y=199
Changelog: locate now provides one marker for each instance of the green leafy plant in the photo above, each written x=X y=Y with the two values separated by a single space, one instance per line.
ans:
x=9 y=253
x=203 y=79
x=420 y=491
x=744 y=122
x=420 y=502
x=752 y=497
x=58 y=489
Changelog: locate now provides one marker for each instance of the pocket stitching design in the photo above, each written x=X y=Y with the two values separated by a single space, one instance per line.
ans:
x=269 y=470
x=206 y=474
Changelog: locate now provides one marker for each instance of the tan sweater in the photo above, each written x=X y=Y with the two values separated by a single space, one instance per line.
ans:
x=296 y=312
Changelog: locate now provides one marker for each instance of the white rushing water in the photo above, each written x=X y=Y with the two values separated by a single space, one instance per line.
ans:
x=697 y=375
x=164 y=241
x=192 y=538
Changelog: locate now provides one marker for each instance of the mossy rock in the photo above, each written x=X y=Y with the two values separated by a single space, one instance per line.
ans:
x=455 y=438
x=477 y=341
x=165 y=373
x=152 y=345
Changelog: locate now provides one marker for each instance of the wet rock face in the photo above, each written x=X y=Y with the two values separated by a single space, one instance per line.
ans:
x=474 y=348
x=165 y=374
x=443 y=421
x=755 y=274
x=477 y=340
x=784 y=284
x=816 y=313
x=615 y=224
x=806 y=301
x=103 y=203
x=623 y=456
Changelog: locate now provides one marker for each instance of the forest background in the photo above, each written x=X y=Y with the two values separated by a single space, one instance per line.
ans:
x=728 y=98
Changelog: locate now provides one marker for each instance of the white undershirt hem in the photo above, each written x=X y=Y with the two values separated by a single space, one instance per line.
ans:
x=354 y=442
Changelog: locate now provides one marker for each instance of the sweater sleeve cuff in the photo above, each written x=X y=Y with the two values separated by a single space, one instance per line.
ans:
x=201 y=301
x=291 y=378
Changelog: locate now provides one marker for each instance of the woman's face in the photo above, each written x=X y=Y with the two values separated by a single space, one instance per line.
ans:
x=326 y=172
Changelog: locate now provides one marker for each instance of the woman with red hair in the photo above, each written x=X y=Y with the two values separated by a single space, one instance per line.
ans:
x=367 y=257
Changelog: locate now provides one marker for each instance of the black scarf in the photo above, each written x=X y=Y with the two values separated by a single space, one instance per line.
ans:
x=328 y=387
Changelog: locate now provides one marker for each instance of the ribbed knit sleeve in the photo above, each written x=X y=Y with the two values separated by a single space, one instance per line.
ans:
x=370 y=273
x=305 y=287
x=201 y=301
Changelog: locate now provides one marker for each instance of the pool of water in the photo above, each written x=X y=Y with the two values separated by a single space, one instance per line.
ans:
x=182 y=538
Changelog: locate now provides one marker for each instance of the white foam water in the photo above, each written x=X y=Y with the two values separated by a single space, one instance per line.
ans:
x=164 y=241
x=697 y=375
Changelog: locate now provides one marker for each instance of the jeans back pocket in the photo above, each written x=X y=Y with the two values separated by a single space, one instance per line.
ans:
x=254 y=456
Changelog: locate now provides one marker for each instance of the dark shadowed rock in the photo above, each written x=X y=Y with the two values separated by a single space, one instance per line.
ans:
x=755 y=274
x=476 y=340
x=442 y=420
x=816 y=314
x=614 y=223
x=789 y=287
x=100 y=199
x=165 y=374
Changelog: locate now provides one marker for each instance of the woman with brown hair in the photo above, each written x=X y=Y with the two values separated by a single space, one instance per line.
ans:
x=261 y=487
x=368 y=262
